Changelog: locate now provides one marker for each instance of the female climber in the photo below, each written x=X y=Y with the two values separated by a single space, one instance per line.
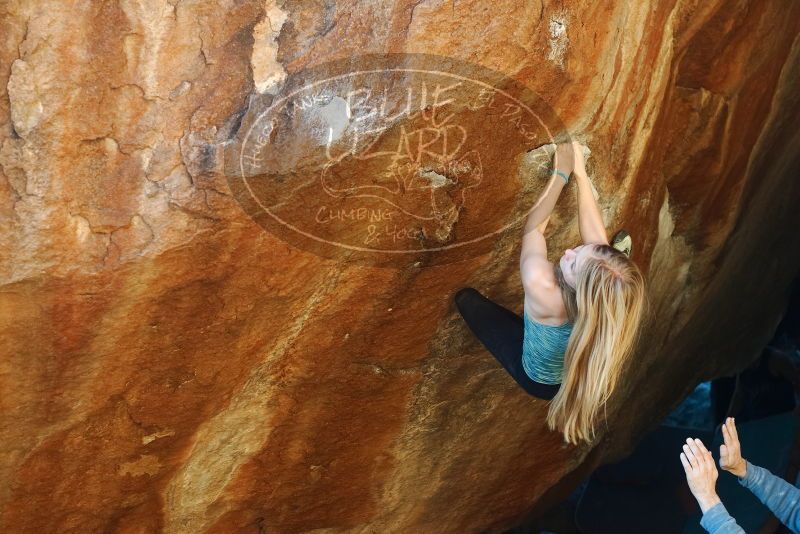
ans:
x=581 y=316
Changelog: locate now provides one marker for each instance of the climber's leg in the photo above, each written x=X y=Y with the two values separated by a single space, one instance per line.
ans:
x=501 y=331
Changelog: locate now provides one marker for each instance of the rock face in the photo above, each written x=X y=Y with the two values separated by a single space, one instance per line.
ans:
x=167 y=365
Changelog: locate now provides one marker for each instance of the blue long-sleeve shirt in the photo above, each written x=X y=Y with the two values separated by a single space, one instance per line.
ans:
x=782 y=498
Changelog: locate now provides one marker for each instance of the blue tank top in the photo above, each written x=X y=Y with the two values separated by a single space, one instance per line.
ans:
x=543 y=348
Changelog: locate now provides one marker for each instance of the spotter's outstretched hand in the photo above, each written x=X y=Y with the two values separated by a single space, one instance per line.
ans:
x=701 y=473
x=730 y=452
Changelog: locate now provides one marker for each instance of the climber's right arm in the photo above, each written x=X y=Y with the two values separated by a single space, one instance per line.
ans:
x=590 y=221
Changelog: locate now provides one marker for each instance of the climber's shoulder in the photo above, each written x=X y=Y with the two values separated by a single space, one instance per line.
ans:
x=542 y=295
x=543 y=299
x=538 y=275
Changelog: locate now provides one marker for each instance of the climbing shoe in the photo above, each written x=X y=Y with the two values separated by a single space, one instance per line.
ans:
x=622 y=242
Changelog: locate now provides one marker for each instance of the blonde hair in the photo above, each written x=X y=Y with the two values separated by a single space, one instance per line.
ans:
x=606 y=308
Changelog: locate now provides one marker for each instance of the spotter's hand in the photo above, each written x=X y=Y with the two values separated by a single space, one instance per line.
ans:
x=701 y=473
x=730 y=452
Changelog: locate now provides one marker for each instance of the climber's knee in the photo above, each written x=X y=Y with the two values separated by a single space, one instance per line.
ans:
x=463 y=296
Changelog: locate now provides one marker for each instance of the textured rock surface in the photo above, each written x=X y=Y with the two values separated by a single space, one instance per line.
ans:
x=167 y=365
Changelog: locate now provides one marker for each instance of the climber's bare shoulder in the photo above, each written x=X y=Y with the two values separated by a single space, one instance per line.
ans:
x=543 y=301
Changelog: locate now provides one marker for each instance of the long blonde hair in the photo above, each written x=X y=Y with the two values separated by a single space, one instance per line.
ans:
x=606 y=308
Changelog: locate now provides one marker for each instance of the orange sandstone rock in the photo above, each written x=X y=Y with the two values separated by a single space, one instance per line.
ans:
x=167 y=365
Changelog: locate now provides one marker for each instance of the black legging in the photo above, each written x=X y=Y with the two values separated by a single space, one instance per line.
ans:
x=501 y=331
